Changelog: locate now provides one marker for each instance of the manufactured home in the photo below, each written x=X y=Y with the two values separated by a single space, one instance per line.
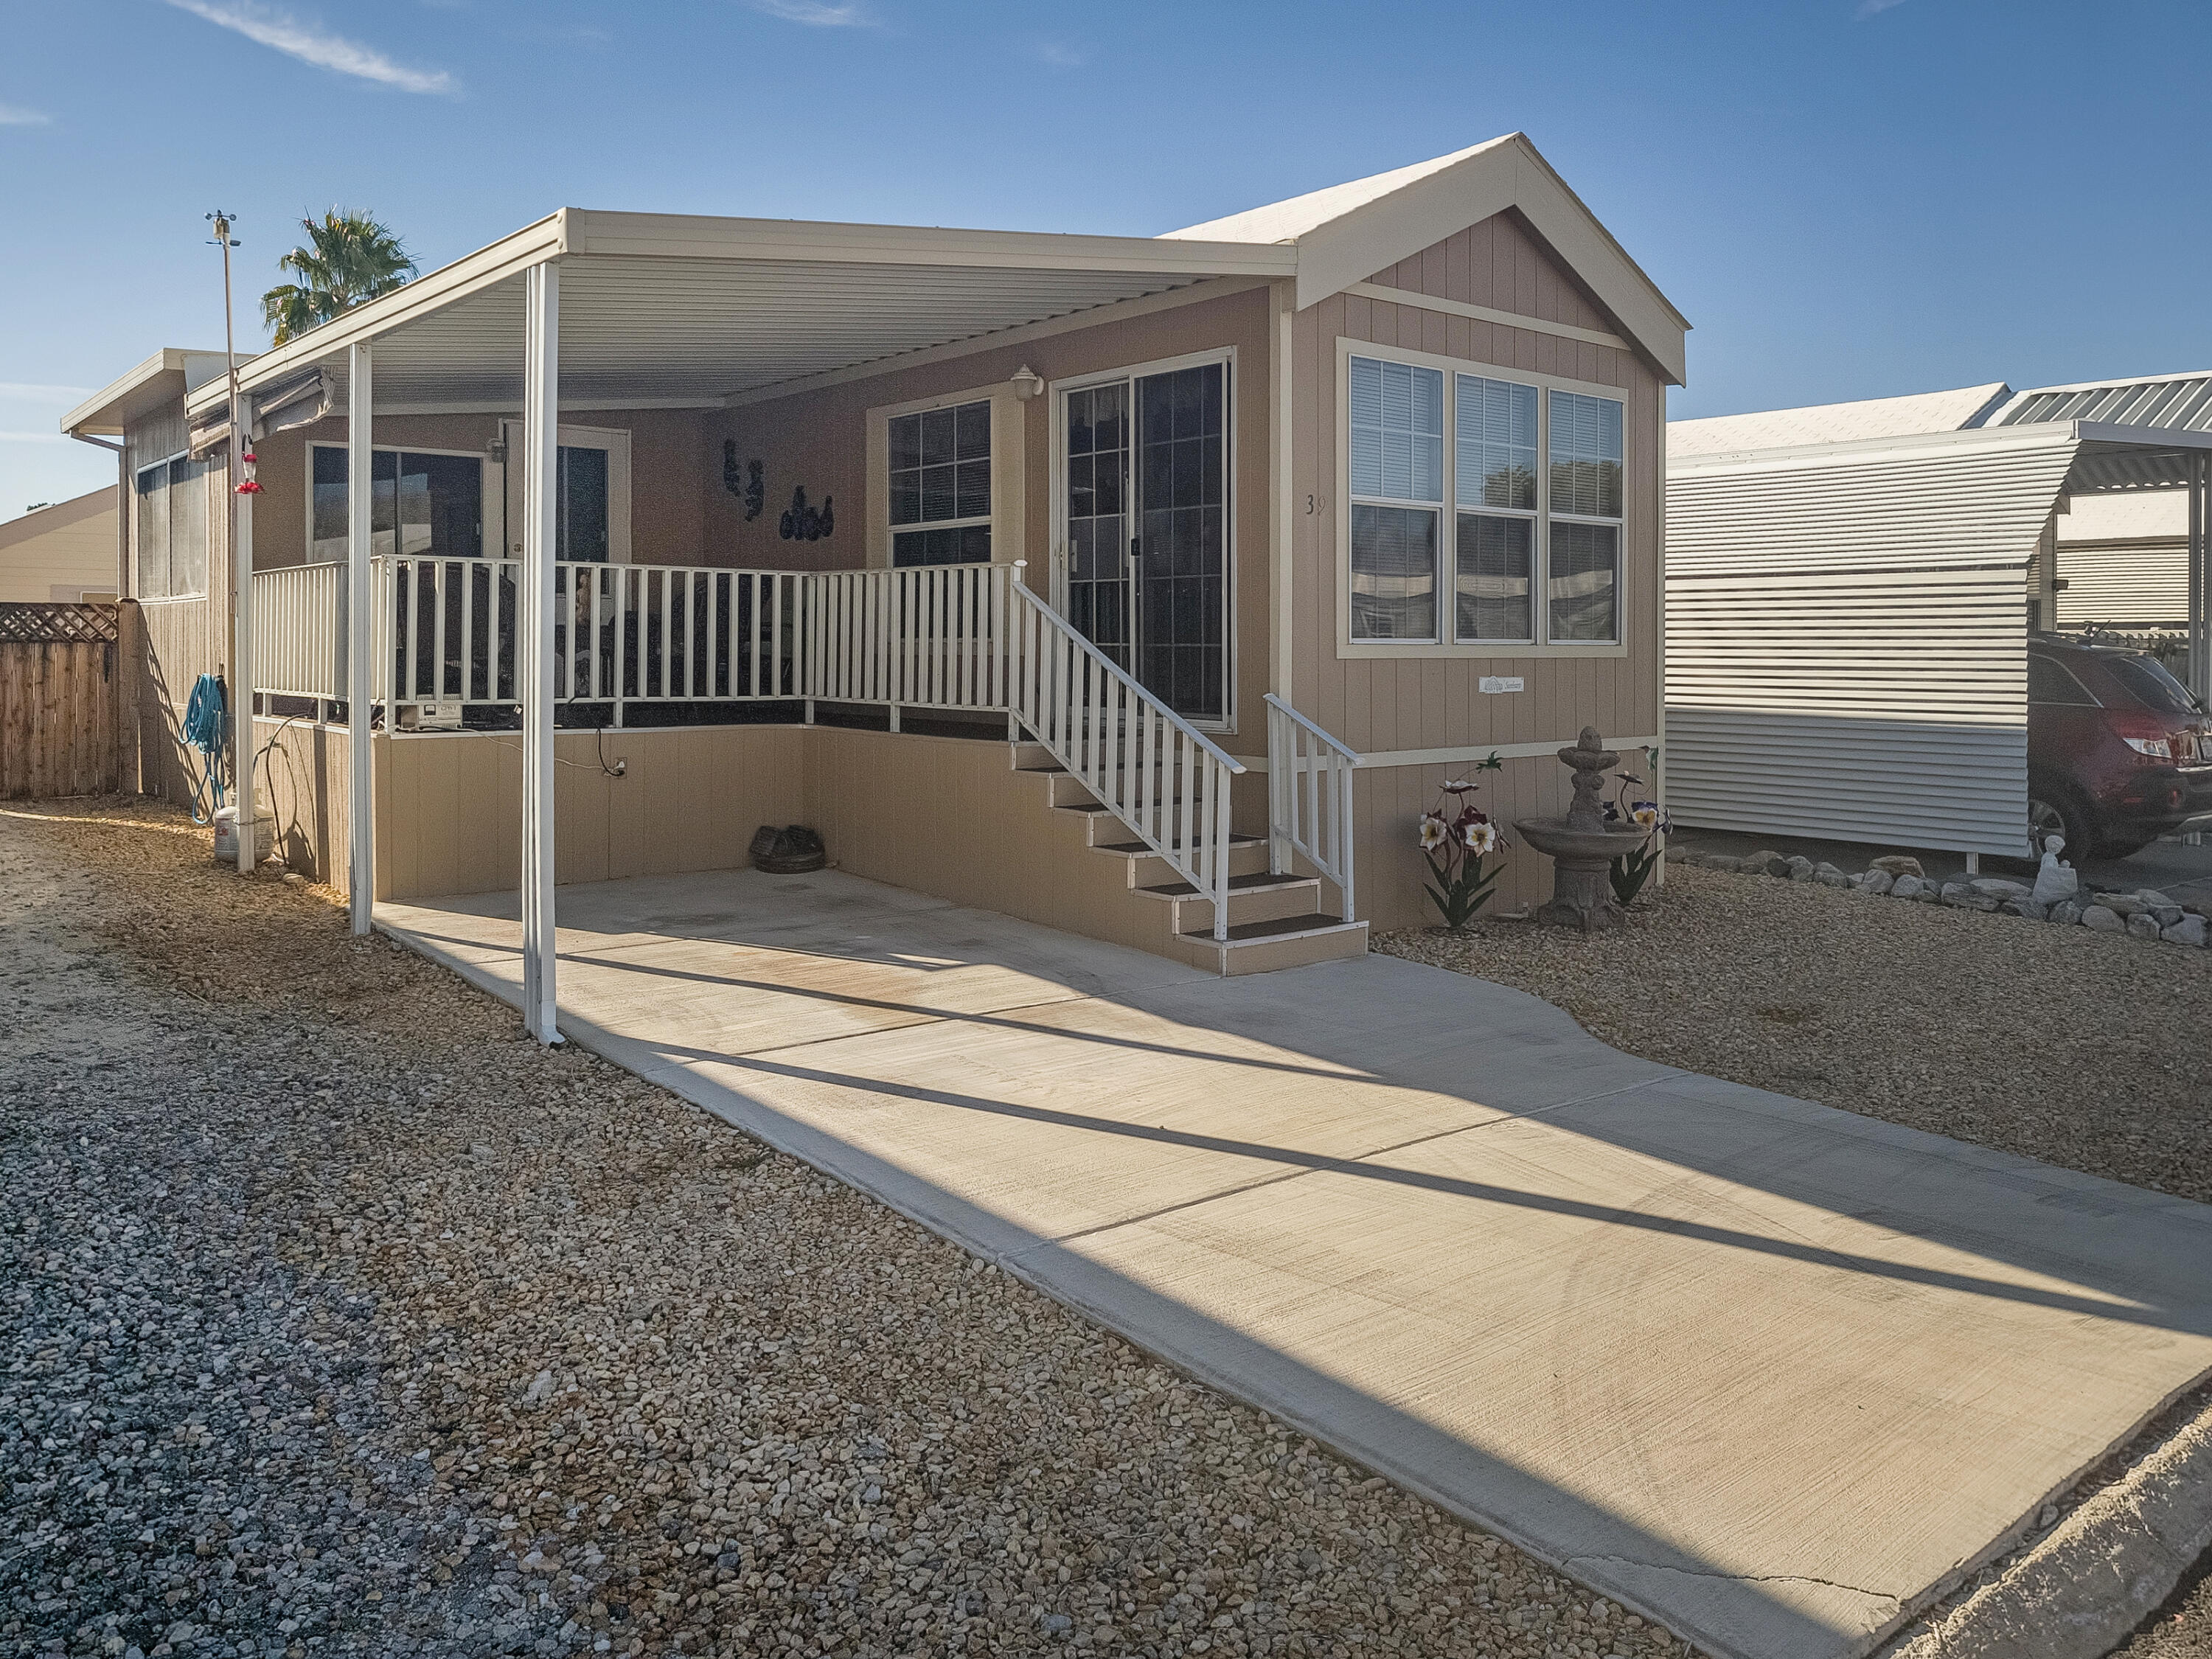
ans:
x=1851 y=587
x=1145 y=588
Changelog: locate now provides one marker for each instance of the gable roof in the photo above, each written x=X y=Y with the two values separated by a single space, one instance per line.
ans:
x=1911 y=416
x=1346 y=233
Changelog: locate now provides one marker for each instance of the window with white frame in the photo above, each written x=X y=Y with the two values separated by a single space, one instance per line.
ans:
x=940 y=485
x=1485 y=449
x=1494 y=488
x=171 y=514
x=1582 y=569
x=1397 y=496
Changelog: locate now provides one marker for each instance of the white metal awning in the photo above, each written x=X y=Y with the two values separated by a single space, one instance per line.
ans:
x=662 y=310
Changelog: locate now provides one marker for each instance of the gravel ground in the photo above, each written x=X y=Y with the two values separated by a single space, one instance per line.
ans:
x=338 y=1319
x=2081 y=1048
x=2182 y=1629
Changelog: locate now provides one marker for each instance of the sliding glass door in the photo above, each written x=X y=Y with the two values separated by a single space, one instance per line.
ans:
x=1147 y=520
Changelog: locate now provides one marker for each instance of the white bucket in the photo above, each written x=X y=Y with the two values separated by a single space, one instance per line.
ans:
x=226 y=836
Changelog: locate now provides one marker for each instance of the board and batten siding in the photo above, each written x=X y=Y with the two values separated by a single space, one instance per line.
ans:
x=176 y=640
x=1846 y=637
x=1430 y=698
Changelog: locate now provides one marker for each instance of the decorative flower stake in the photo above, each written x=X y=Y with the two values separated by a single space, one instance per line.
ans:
x=1457 y=839
x=1632 y=870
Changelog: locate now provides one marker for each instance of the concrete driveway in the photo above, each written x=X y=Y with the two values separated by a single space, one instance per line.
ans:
x=1770 y=1373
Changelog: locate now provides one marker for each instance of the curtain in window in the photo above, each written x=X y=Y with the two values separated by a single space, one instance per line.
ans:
x=1496 y=556
x=1393 y=573
x=1583 y=581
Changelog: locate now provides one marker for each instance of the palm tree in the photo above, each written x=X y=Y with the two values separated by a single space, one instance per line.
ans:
x=348 y=257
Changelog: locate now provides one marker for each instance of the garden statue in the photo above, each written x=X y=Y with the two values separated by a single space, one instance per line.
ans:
x=2055 y=883
x=1582 y=845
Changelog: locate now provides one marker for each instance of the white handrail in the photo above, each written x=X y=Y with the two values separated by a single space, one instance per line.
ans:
x=1309 y=787
x=1161 y=776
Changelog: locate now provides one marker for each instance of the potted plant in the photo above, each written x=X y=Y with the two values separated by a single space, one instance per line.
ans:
x=1459 y=842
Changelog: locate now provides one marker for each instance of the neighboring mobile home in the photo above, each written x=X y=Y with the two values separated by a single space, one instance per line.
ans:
x=1850 y=588
x=63 y=552
x=1144 y=587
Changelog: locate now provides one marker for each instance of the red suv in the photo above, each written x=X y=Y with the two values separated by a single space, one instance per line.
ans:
x=2119 y=752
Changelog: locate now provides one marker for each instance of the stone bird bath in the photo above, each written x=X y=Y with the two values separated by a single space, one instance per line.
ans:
x=1581 y=845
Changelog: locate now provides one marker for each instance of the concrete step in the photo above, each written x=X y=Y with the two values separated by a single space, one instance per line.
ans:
x=1247 y=855
x=1259 y=896
x=1262 y=947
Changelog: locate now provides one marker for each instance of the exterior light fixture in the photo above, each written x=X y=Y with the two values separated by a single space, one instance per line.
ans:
x=1027 y=383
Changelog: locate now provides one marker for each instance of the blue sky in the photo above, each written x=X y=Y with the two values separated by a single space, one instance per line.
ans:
x=1848 y=197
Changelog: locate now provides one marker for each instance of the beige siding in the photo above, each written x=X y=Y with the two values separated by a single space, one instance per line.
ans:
x=1421 y=701
x=818 y=439
x=60 y=551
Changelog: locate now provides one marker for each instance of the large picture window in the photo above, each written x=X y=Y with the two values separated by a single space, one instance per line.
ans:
x=171 y=522
x=420 y=506
x=1534 y=476
x=1397 y=496
x=940 y=485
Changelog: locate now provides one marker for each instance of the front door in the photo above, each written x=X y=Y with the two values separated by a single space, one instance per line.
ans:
x=1147 y=531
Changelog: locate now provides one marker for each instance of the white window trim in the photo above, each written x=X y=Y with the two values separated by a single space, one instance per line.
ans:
x=1447 y=557
x=1007 y=516
x=1448 y=593
x=137 y=566
x=1056 y=493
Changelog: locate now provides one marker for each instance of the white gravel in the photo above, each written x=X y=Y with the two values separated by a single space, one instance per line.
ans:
x=339 y=1319
x=2079 y=1048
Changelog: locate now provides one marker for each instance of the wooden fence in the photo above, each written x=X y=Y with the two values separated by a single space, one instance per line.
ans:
x=58 y=697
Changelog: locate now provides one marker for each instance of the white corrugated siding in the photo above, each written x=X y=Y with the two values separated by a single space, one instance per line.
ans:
x=2128 y=587
x=1845 y=639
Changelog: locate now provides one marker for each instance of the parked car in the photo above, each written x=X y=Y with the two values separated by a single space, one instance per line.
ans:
x=2119 y=752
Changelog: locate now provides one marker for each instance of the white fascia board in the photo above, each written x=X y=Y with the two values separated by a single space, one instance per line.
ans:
x=689 y=236
x=508 y=257
x=1918 y=446
x=101 y=412
x=2139 y=437
x=1353 y=248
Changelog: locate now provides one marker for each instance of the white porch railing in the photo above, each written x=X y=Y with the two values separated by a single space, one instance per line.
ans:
x=957 y=637
x=935 y=637
x=1155 y=771
x=1310 y=799
x=298 y=632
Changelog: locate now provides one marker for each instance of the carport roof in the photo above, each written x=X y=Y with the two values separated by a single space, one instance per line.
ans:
x=674 y=310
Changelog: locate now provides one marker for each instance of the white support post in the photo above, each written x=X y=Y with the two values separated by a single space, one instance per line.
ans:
x=541 y=422
x=360 y=634
x=2200 y=580
x=242 y=654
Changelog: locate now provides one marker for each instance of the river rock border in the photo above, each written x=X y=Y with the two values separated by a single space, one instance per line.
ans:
x=2144 y=914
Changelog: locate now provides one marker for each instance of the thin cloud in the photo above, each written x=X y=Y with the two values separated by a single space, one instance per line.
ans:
x=1875 y=7
x=813 y=13
x=281 y=31
x=1060 y=56
x=45 y=394
x=15 y=115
